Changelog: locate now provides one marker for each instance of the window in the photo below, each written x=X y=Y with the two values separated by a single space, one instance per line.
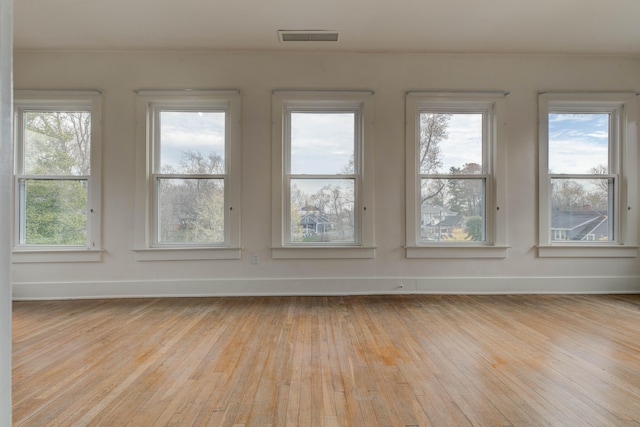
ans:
x=455 y=162
x=190 y=146
x=57 y=176
x=322 y=164
x=584 y=142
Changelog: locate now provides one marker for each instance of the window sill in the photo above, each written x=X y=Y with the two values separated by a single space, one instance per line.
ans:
x=186 y=254
x=323 y=252
x=25 y=256
x=585 y=251
x=451 y=251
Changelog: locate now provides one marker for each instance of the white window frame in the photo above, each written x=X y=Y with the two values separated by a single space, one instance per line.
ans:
x=149 y=104
x=623 y=111
x=492 y=105
x=79 y=100
x=283 y=104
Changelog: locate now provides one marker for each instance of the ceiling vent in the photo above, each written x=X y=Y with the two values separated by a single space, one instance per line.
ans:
x=287 y=36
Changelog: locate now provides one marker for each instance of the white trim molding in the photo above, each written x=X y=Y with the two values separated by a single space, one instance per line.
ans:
x=83 y=100
x=326 y=286
x=621 y=168
x=148 y=105
x=492 y=107
x=360 y=103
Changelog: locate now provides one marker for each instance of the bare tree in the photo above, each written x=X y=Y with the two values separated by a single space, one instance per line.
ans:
x=192 y=209
x=433 y=130
x=194 y=162
x=600 y=196
x=567 y=194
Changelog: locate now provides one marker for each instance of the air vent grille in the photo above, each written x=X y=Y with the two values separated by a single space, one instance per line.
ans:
x=308 y=36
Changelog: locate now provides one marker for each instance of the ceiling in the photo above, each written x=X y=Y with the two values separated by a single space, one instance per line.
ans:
x=420 y=26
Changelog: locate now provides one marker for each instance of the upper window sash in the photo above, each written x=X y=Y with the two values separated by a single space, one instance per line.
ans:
x=491 y=175
x=620 y=174
x=81 y=101
x=150 y=173
x=359 y=178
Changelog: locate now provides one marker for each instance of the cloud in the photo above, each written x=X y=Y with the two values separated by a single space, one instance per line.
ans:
x=573 y=117
x=578 y=142
x=183 y=131
x=601 y=134
x=464 y=143
x=321 y=143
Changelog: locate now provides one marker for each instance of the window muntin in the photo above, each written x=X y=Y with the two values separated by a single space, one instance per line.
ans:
x=321 y=177
x=189 y=173
x=57 y=172
x=453 y=173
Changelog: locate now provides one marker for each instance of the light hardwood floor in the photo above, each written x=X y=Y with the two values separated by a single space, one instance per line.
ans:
x=328 y=361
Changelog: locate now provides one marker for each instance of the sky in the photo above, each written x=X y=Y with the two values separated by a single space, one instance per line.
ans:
x=578 y=142
x=190 y=130
x=464 y=142
x=321 y=143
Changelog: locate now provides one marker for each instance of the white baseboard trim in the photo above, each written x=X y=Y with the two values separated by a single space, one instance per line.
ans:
x=326 y=286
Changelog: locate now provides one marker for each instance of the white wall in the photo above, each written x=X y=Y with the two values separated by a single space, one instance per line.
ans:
x=5 y=210
x=256 y=75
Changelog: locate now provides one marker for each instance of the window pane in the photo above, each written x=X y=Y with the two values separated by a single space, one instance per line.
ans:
x=322 y=210
x=57 y=143
x=192 y=142
x=452 y=209
x=53 y=212
x=450 y=143
x=322 y=143
x=579 y=143
x=191 y=210
x=582 y=209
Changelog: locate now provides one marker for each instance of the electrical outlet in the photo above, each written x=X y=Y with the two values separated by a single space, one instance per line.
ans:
x=255 y=259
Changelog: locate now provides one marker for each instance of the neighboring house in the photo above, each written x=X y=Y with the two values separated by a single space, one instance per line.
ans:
x=438 y=222
x=434 y=214
x=314 y=222
x=585 y=225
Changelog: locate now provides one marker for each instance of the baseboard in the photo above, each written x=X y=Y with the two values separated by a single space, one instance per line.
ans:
x=325 y=286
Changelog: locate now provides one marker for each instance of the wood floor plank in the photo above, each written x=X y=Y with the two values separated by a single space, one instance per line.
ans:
x=442 y=360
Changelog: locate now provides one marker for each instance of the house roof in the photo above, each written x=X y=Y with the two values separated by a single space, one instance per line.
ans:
x=313 y=218
x=432 y=209
x=580 y=224
x=570 y=220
